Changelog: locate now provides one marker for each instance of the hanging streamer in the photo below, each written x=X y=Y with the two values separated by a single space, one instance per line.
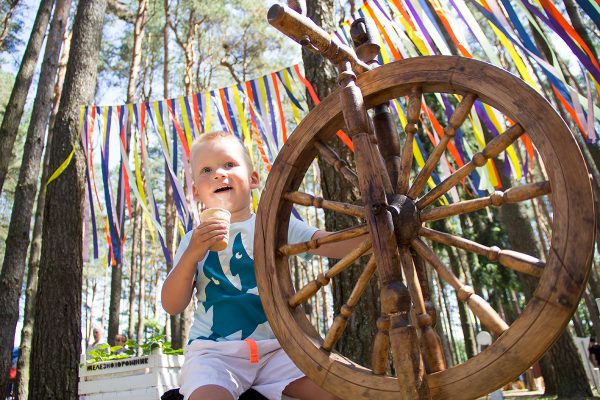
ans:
x=255 y=111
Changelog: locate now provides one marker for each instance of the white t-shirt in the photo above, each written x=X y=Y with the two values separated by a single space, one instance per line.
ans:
x=228 y=306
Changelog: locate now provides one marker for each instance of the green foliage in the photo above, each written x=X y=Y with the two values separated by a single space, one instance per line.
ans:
x=153 y=326
x=106 y=352
x=6 y=83
x=8 y=191
x=14 y=37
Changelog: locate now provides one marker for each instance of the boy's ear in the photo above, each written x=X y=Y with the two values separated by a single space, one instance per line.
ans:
x=195 y=192
x=254 y=180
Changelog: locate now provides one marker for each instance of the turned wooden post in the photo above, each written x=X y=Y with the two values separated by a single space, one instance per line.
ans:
x=366 y=48
x=395 y=298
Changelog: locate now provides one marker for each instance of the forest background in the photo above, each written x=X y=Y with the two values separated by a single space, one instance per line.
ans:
x=153 y=49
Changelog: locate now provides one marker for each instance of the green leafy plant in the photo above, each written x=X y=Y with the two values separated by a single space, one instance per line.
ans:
x=106 y=352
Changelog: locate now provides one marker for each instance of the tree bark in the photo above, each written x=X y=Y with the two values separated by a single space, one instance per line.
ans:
x=132 y=275
x=142 y=280
x=170 y=212
x=104 y=295
x=593 y=312
x=467 y=329
x=17 y=239
x=56 y=345
x=90 y=318
x=18 y=96
x=35 y=250
x=23 y=364
x=578 y=25
x=116 y=282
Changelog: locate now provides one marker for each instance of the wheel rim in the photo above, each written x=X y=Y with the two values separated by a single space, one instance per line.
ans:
x=567 y=263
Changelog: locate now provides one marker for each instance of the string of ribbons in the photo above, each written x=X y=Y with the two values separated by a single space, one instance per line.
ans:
x=262 y=112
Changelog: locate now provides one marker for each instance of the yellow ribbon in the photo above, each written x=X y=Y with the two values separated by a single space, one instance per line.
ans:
x=59 y=170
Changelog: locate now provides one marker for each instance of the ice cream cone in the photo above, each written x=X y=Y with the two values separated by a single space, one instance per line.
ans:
x=219 y=214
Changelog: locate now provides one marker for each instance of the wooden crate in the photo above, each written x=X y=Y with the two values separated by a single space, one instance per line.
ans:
x=136 y=378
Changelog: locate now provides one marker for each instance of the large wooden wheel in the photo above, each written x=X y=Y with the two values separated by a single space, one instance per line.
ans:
x=562 y=275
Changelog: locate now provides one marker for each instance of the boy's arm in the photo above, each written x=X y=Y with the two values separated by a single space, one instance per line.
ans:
x=337 y=249
x=178 y=287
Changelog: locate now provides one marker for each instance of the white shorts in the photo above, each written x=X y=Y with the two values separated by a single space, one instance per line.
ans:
x=228 y=364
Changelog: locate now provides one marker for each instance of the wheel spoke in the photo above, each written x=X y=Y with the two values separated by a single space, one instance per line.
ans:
x=412 y=281
x=460 y=114
x=303 y=247
x=481 y=308
x=498 y=198
x=323 y=279
x=306 y=199
x=493 y=148
x=512 y=259
x=411 y=128
x=333 y=159
x=339 y=324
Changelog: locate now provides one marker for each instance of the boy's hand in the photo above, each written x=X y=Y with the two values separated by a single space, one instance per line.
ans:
x=204 y=236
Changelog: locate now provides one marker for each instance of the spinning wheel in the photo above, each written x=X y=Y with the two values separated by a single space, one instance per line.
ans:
x=398 y=210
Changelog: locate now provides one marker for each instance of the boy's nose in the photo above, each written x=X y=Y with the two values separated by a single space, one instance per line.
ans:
x=219 y=172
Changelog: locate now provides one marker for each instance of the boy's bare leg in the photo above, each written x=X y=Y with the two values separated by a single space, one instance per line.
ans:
x=305 y=389
x=211 y=392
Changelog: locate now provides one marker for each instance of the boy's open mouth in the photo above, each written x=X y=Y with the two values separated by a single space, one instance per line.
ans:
x=223 y=189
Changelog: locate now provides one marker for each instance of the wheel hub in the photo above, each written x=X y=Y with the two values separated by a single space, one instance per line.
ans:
x=405 y=216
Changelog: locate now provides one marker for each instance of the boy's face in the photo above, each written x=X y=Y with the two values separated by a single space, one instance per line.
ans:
x=222 y=177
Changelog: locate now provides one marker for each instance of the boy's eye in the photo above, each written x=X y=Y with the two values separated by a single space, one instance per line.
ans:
x=205 y=170
x=229 y=164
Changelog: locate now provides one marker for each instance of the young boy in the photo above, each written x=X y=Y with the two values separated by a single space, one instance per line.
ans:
x=231 y=347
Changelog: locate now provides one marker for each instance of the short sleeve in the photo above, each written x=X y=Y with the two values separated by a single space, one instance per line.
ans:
x=299 y=231
x=183 y=245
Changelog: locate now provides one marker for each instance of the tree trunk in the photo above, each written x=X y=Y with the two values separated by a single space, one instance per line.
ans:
x=170 y=212
x=593 y=312
x=90 y=325
x=142 y=280
x=185 y=320
x=468 y=334
x=132 y=275
x=56 y=345
x=23 y=364
x=104 y=295
x=357 y=341
x=578 y=325
x=444 y=319
x=578 y=25
x=18 y=96
x=458 y=356
x=7 y=20
x=116 y=282
x=17 y=239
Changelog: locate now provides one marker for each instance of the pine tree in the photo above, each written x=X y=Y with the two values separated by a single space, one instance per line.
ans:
x=18 y=96
x=57 y=331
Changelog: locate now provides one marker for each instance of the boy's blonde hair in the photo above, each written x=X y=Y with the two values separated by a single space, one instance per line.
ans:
x=218 y=135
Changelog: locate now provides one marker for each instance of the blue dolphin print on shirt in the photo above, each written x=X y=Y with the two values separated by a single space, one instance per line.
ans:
x=234 y=310
x=241 y=264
